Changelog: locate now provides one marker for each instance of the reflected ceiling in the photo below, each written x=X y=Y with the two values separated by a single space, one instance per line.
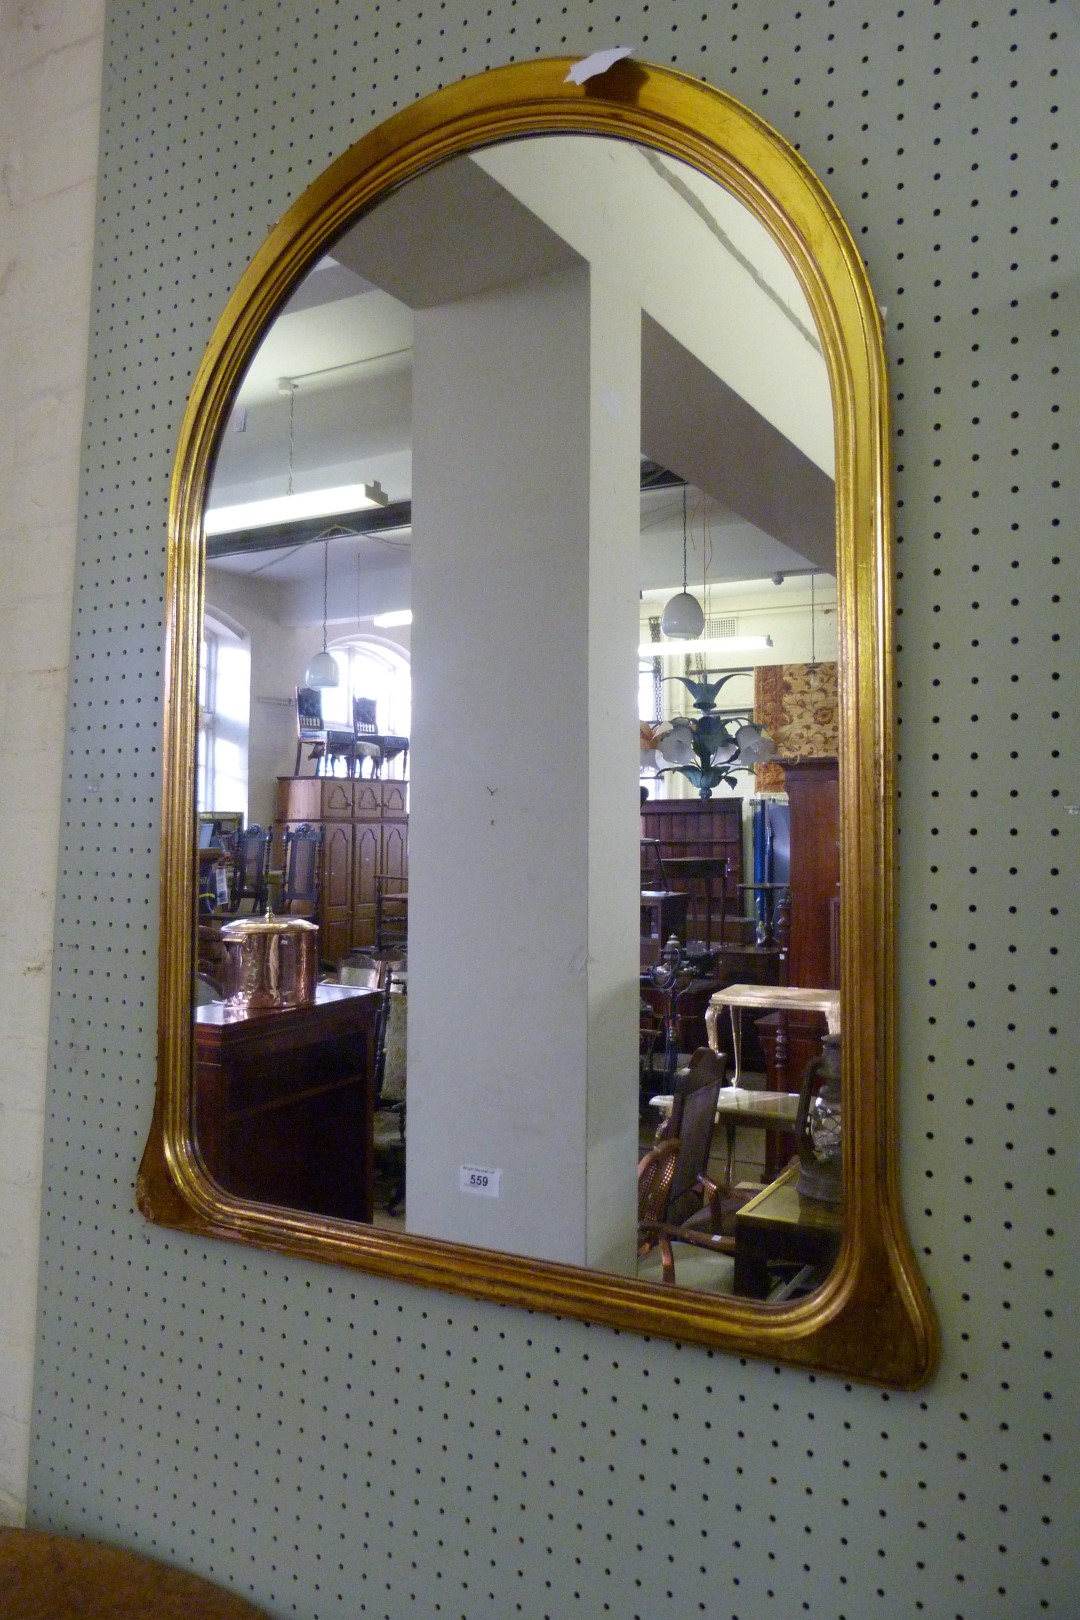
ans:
x=327 y=398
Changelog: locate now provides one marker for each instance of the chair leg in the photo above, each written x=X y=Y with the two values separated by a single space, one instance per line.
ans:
x=396 y=1200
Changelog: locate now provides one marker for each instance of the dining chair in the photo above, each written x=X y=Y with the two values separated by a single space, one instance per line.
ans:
x=251 y=863
x=678 y=1201
x=301 y=868
x=391 y=1062
x=309 y=726
x=365 y=736
x=391 y=980
x=673 y=1176
x=391 y=912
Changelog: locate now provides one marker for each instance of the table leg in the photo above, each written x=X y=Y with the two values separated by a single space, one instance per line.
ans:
x=783 y=1083
x=736 y=1040
x=751 y=1277
x=729 y=1167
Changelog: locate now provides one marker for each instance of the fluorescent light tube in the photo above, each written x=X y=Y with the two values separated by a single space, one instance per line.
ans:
x=391 y=621
x=710 y=644
x=313 y=503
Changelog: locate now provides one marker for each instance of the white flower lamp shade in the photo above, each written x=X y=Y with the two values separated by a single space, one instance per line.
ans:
x=322 y=671
x=676 y=747
x=755 y=745
x=683 y=617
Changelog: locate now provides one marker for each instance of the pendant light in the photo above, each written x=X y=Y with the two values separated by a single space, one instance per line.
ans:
x=812 y=674
x=683 y=617
x=323 y=670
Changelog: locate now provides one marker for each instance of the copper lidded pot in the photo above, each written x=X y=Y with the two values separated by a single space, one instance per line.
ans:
x=269 y=962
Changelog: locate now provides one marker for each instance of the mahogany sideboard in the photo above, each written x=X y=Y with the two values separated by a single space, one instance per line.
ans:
x=284 y=1101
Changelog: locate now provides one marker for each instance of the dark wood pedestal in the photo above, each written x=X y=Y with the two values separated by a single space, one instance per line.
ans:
x=284 y=1101
x=813 y=794
x=790 y=1042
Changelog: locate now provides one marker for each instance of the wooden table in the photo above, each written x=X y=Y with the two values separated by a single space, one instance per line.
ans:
x=735 y=1107
x=284 y=1101
x=780 y=1225
x=765 y=997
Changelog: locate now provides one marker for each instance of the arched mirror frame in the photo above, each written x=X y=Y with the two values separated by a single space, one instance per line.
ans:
x=871 y=1319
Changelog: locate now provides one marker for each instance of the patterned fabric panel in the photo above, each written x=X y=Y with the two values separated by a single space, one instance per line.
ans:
x=797 y=705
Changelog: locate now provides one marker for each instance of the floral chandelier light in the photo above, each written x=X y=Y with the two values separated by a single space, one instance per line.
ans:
x=706 y=747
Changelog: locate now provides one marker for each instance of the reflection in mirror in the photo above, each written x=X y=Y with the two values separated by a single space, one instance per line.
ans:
x=531 y=396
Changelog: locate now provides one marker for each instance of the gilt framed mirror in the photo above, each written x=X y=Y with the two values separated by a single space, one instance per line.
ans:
x=528 y=361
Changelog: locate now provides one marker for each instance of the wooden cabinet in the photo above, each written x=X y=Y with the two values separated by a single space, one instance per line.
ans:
x=365 y=833
x=339 y=798
x=335 y=897
x=284 y=1101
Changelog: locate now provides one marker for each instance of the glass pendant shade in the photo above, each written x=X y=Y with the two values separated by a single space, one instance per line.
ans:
x=322 y=671
x=683 y=617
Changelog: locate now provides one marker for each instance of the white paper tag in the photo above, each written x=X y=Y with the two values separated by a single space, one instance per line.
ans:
x=221 y=884
x=591 y=66
x=474 y=1178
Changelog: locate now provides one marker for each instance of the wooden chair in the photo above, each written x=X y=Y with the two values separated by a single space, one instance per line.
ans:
x=301 y=868
x=663 y=909
x=248 y=855
x=390 y=1081
x=251 y=868
x=391 y=912
x=652 y=1030
x=365 y=736
x=325 y=746
x=309 y=726
x=674 y=1186
x=380 y=747
x=390 y=1067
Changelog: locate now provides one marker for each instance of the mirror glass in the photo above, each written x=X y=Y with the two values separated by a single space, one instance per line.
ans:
x=532 y=396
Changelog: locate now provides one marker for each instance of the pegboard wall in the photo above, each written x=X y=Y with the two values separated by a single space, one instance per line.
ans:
x=333 y=1445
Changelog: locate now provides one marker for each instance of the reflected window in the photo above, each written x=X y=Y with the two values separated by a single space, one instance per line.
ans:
x=370 y=669
x=224 y=709
x=650 y=691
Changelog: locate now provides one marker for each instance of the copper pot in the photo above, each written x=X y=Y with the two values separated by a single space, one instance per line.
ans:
x=269 y=962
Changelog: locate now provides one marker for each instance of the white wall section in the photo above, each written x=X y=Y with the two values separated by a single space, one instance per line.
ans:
x=50 y=87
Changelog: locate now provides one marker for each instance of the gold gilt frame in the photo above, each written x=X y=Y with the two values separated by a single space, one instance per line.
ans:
x=871 y=1319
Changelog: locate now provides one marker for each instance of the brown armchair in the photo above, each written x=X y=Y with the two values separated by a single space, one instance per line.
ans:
x=677 y=1200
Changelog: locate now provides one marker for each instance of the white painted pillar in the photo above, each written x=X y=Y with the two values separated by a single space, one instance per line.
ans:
x=524 y=806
